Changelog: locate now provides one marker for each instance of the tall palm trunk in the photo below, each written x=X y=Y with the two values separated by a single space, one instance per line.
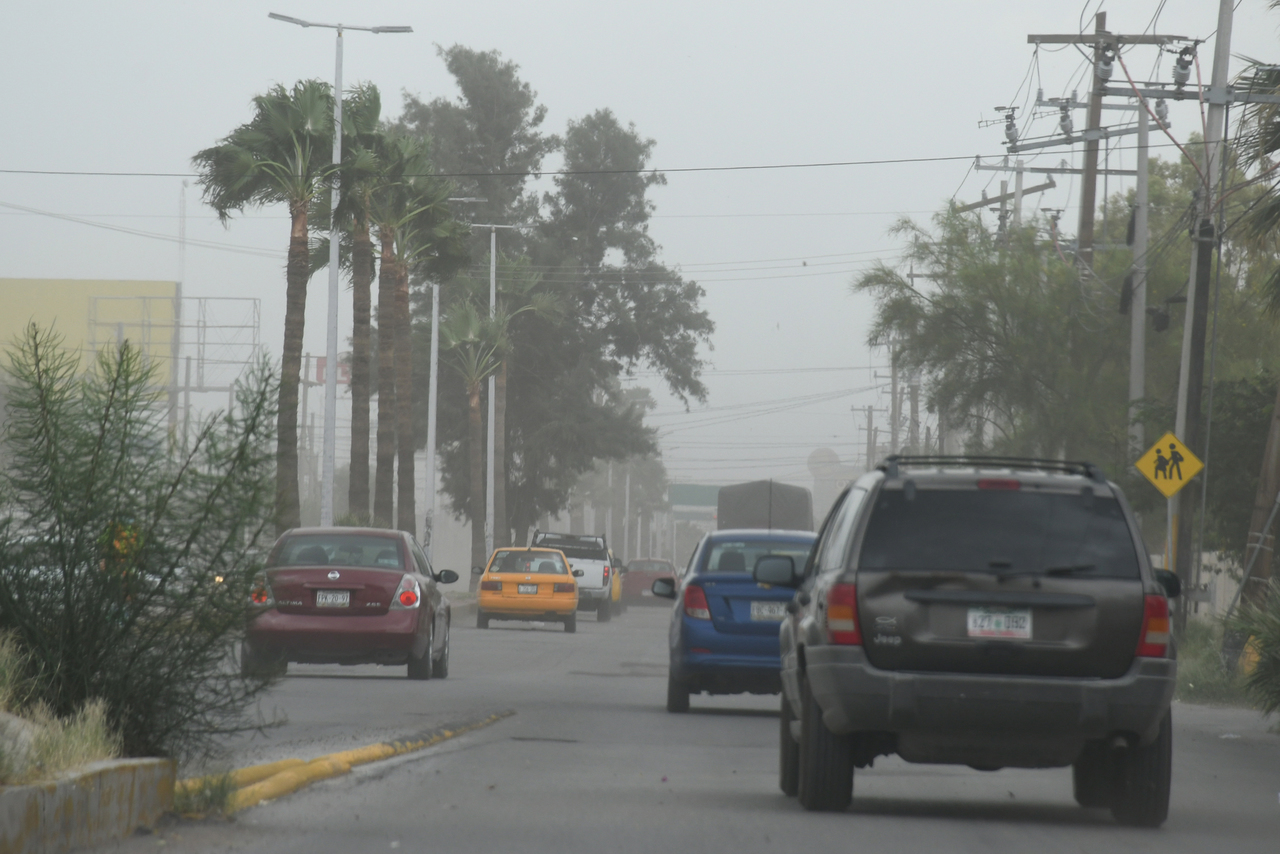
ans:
x=361 y=280
x=501 y=525
x=297 y=271
x=405 y=504
x=385 y=473
x=475 y=440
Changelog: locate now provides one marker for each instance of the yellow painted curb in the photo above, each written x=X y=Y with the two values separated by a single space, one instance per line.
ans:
x=242 y=777
x=258 y=783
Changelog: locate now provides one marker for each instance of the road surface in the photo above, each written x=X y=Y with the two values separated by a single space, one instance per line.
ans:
x=592 y=762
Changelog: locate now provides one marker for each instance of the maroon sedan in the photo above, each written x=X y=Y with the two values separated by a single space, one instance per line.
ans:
x=637 y=581
x=349 y=596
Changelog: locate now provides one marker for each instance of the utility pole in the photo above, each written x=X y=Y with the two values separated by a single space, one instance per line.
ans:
x=1188 y=426
x=626 y=516
x=1017 y=195
x=895 y=407
x=913 y=429
x=1089 y=186
x=1138 y=303
x=871 y=440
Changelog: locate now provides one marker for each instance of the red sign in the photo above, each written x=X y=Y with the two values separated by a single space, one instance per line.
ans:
x=344 y=371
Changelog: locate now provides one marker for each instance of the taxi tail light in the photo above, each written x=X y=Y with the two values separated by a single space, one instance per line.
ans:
x=260 y=594
x=1154 y=642
x=563 y=587
x=695 y=603
x=408 y=594
x=491 y=585
x=842 y=615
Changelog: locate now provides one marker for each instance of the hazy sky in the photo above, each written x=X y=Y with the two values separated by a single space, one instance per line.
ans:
x=141 y=86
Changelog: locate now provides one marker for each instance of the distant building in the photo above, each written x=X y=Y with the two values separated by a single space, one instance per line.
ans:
x=830 y=476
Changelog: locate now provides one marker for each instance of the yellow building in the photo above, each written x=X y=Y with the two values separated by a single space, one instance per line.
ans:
x=89 y=313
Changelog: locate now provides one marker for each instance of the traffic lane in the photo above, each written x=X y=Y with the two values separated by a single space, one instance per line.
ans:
x=318 y=709
x=581 y=768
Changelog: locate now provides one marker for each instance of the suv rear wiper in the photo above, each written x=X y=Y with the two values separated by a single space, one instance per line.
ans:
x=1053 y=570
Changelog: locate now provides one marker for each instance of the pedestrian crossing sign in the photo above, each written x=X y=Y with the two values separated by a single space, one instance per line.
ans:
x=1169 y=465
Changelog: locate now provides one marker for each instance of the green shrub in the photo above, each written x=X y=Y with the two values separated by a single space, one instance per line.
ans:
x=126 y=562
x=1260 y=622
x=1201 y=676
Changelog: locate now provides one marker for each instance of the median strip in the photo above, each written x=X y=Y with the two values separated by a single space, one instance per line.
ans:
x=257 y=783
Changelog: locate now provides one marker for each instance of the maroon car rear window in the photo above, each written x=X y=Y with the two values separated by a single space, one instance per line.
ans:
x=360 y=550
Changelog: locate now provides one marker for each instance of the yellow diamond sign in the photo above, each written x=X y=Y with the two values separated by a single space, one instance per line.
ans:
x=1169 y=464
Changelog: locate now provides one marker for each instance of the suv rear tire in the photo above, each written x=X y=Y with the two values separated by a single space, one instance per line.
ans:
x=571 y=623
x=482 y=620
x=1093 y=776
x=826 y=760
x=677 y=696
x=604 y=611
x=788 y=752
x=1142 y=780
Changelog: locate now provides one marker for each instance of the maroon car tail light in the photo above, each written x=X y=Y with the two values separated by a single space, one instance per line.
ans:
x=563 y=587
x=999 y=483
x=260 y=594
x=695 y=603
x=495 y=586
x=1154 y=642
x=408 y=594
x=842 y=615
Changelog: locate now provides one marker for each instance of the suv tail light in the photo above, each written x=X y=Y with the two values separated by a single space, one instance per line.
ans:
x=1154 y=642
x=260 y=594
x=491 y=585
x=606 y=574
x=842 y=615
x=563 y=587
x=695 y=603
x=408 y=594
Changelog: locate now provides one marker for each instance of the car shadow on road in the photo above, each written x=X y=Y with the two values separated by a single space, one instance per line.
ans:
x=1011 y=811
x=738 y=713
x=388 y=677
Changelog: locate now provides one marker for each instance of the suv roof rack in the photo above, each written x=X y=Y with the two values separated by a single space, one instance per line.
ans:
x=891 y=464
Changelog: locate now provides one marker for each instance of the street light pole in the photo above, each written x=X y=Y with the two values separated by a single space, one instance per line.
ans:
x=331 y=334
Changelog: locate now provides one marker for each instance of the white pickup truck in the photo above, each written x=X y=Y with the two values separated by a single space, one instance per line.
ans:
x=589 y=553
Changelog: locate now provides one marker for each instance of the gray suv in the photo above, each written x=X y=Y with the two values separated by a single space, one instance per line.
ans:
x=982 y=611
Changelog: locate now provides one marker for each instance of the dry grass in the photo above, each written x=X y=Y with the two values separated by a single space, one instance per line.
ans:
x=1201 y=676
x=59 y=744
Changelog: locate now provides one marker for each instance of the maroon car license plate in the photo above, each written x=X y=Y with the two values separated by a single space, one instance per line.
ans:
x=333 y=598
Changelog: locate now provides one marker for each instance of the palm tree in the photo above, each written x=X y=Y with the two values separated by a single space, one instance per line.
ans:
x=283 y=155
x=518 y=292
x=472 y=343
x=410 y=210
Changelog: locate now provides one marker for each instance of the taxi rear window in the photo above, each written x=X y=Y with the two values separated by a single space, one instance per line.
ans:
x=544 y=563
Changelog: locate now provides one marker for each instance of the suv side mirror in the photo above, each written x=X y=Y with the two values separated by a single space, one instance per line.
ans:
x=1171 y=583
x=578 y=573
x=664 y=588
x=446 y=576
x=778 y=570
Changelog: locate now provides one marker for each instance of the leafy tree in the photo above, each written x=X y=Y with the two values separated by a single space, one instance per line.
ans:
x=125 y=570
x=283 y=155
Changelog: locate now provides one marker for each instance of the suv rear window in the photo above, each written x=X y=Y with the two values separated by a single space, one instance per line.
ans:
x=999 y=531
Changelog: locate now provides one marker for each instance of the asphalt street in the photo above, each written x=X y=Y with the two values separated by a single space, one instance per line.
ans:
x=591 y=762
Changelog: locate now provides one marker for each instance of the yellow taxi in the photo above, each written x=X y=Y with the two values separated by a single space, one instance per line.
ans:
x=615 y=585
x=528 y=584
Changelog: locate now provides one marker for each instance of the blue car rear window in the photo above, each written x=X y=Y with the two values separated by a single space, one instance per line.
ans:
x=741 y=555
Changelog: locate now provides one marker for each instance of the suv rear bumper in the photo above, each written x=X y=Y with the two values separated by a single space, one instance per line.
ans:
x=592 y=594
x=979 y=719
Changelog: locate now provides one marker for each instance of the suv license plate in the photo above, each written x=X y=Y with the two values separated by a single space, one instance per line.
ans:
x=1000 y=623
x=526 y=588
x=333 y=598
x=768 y=610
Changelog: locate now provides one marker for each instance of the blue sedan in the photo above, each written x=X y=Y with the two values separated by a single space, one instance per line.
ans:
x=724 y=627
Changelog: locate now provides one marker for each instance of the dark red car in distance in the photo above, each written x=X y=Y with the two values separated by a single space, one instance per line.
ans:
x=349 y=596
x=637 y=581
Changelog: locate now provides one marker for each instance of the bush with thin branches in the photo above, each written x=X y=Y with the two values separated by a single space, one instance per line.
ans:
x=1259 y=621
x=126 y=560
